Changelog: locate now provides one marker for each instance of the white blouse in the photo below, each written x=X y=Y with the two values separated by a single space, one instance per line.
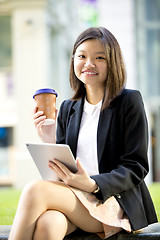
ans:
x=87 y=139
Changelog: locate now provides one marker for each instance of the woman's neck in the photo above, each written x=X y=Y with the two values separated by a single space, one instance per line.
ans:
x=94 y=96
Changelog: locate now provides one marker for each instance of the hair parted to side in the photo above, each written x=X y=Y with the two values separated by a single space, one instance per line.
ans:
x=116 y=74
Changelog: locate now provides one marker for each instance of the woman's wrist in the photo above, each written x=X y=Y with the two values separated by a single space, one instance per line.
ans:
x=94 y=186
x=96 y=190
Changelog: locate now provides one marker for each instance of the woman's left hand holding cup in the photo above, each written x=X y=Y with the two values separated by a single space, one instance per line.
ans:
x=47 y=133
x=45 y=114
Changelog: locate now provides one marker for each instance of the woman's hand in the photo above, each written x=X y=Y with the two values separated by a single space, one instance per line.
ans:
x=80 y=179
x=47 y=133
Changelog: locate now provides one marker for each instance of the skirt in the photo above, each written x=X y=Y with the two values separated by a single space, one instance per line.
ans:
x=109 y=213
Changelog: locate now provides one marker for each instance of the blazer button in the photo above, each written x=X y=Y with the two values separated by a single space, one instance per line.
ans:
x=118 y=195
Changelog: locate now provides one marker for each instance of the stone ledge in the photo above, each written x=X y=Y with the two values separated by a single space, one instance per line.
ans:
x=151 y=232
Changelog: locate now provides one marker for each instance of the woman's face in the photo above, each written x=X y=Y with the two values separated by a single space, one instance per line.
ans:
x=90 y=64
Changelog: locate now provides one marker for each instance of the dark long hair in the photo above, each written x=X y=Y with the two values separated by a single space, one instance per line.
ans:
x=116 y=74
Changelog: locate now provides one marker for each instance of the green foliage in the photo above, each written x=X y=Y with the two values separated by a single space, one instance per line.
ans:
x=155 y=194
x=9 y=198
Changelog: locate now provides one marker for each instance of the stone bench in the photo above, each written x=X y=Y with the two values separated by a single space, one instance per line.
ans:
x=151 y=232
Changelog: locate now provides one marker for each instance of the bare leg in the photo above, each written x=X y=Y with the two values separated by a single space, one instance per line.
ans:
x=40 y=196
x=53 y=225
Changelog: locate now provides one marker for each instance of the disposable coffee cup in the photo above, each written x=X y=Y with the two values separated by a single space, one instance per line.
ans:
x=46 y=102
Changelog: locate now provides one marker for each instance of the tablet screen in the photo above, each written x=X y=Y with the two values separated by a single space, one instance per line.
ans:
x=43 y=152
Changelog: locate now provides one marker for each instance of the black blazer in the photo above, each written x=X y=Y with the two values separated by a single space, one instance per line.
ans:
x=122 y=142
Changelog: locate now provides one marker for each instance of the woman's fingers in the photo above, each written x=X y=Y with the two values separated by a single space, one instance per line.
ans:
x=40 y=123
x=79 y=180
x=56 y=111
x=80 y=166
x=81 y=169
x=61 y=166
x=37 y=114
x=38 y=118
x=35 y=109
x=61 y=170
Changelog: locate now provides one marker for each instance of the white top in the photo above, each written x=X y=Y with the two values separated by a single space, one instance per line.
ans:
x=87 y=139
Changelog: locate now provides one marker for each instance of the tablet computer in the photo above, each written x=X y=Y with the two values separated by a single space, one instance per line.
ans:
x=43 y=152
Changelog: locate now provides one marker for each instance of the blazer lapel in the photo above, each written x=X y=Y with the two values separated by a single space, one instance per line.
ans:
x=103 y=128
x=74 y=125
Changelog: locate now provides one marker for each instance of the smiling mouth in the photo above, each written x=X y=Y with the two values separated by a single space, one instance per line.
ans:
x=90 y=73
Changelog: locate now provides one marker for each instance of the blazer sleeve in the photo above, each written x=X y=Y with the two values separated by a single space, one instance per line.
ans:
x=60 y=132
x=62 y=121
x=132 y=162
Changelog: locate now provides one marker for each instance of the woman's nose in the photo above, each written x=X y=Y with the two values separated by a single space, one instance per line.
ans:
x=89 y=63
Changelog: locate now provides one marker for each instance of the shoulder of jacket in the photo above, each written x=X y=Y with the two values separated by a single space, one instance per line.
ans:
x=67 y=103
x=66 y=106
x=132 y=99
x=126 y=94
x=130 y=92
x=128 y=97
x=131 y=95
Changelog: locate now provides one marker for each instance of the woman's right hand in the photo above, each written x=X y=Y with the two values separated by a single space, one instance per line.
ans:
x=47 y=133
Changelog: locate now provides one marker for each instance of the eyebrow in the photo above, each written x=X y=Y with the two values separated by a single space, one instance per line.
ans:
x=95 y=52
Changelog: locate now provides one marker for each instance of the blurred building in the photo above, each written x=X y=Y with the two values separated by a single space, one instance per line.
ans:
x=36 y=39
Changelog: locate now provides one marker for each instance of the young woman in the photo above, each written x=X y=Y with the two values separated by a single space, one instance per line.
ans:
x=106 y=128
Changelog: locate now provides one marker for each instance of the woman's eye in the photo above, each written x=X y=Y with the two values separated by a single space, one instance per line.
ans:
x=100 y=57
x=81 y=56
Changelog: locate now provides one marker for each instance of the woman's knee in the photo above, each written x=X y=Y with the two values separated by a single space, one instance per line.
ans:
x=51 y=224
x=33 y=192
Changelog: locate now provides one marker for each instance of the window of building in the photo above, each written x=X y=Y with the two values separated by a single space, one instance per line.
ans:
x=6 y=145
x=148 y=69
x=6 y=78
x=7 y=102
x=148 y=46
x=5 y=42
